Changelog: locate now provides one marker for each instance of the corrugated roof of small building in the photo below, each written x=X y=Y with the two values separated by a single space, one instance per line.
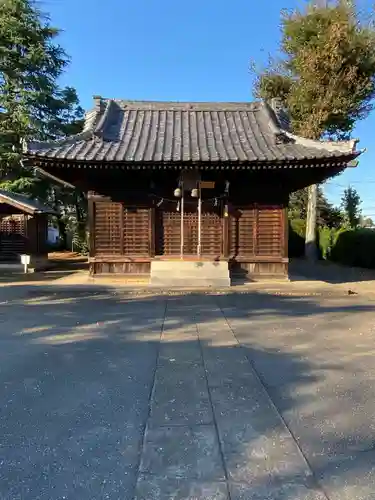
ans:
x=24 y=203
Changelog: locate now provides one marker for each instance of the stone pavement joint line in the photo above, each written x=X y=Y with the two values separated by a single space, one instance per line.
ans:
x=153 y=386
x=212 y=431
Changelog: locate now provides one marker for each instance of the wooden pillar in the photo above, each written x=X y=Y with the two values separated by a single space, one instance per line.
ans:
x=226 y=235
x=255 y=228
x=152 y=232
x=91 y=220
x=122 y=228
x=29 y=231
x=38 y=227
x=285 y=239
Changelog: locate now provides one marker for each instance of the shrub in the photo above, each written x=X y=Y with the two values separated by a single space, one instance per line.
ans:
x=327 y=237
x=355 y=248
x=80 y=239
x=297 y=230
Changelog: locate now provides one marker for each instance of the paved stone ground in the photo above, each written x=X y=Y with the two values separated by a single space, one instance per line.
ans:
x=111 y=395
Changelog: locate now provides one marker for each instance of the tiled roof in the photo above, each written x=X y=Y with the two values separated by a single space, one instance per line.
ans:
x=136 y=132
x=24 y=203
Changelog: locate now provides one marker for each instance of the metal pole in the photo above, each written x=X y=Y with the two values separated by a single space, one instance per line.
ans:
x=199 y=221
x=182 y=224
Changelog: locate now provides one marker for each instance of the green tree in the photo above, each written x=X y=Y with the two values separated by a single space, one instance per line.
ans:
x=325 y=76
x=327 y=214
x=350 y=204
x=32 y=105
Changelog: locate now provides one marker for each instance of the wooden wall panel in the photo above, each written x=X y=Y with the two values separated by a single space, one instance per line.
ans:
x=242 y=232
x=108 y=228
x=121 y=230
x=125 y=230
x=130 y=268
x=137 y=234
x=211 y=234
x=168 y=232
x=269 y=231
x=32 y=234
x=256 y=231
x=37 y=234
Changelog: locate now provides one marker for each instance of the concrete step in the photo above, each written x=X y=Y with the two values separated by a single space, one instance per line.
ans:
x=189 y=283
x=189 y=273
x=183 y=266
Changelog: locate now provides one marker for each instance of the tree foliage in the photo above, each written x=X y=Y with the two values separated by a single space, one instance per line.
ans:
x=327 y=214
x=350 y=204
x=326 y=73
x=32 y=104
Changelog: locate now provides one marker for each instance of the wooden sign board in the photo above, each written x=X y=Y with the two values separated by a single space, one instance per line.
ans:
x=207 y=184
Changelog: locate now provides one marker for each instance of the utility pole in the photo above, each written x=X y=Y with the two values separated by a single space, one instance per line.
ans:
x=311 y=253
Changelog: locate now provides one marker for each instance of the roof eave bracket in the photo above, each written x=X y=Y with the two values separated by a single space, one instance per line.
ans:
x=44 y=173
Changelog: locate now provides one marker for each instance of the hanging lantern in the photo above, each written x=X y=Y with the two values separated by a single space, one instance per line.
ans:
x=194 y=193
x=226 y=210
x=177 y=192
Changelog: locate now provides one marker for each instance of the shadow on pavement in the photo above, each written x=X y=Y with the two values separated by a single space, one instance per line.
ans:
x=328 y=272
x=77 y=370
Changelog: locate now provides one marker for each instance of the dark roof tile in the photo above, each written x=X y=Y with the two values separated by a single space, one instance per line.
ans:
x=144 y=132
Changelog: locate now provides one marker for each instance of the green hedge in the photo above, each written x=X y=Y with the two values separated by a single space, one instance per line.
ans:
x=355 y=248
x=297 y=229
x=327 y=240
x=349 y=247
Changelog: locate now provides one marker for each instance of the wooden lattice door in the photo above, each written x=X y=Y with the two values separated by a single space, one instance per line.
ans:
x=137 y=232
x=212 y=232
x=169 y=231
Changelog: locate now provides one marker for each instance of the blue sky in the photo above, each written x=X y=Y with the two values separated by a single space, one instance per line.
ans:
x=189 y=50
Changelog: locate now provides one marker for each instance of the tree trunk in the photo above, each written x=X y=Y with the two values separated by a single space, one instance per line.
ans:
x=62 y=233
x=311 y=253
x=60 y=223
